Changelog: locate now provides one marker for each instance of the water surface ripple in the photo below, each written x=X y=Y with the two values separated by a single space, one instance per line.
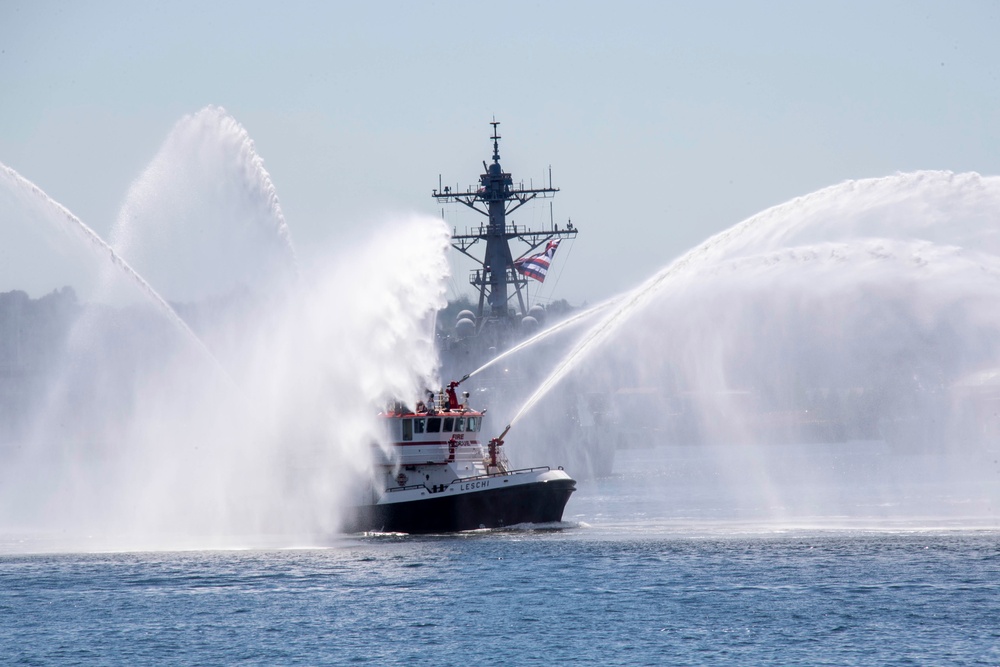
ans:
x=519 y=597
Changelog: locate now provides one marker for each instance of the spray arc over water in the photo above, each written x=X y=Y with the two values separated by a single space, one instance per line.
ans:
x=864 y=314
x=212 y=227
x=75 y=227
x=137 y=443
x=541 y=336
x=767 y=239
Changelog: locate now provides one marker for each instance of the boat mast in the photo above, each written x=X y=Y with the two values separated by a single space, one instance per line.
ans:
x=496 y=198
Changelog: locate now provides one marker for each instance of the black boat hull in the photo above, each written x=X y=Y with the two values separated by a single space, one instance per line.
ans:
x=535 y=502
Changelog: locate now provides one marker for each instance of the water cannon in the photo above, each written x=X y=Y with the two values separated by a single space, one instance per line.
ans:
x=499 y=438
x=495 y=445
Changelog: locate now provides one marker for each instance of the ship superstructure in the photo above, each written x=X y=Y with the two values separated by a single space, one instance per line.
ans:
x=497 y=280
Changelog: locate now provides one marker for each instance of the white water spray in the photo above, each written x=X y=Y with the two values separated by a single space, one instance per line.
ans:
x=542 y=335
x=964 y=208
x=97 y=246
x=137 y=444
x=865 y=312
x=213 y=227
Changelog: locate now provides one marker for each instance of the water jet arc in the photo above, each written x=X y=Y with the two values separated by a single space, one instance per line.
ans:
x=73 y=225
x=541 y=336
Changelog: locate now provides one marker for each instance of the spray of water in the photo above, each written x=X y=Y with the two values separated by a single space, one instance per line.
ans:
x=928 y=206
x=864 y=313
x=32 y=195
x=559 y=327
x=133 y=441
x=213 y=227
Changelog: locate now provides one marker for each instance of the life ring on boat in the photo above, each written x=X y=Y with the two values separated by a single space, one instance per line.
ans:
x=401 y=479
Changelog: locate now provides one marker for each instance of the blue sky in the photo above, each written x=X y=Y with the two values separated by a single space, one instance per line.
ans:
x=663 y=122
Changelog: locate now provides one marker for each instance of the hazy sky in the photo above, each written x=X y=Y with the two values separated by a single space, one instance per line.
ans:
x=663 y=122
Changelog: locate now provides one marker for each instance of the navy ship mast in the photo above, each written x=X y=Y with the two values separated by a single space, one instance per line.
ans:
x=496 y=198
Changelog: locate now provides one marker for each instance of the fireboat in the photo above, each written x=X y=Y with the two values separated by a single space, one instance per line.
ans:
x=438 y=476
x=437 y=473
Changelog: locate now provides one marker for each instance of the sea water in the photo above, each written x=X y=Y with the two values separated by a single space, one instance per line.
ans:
x=637 y=574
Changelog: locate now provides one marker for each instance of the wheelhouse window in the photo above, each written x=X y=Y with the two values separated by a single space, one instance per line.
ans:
x=472 y=424
x=449 y=424
x=419 y=425
x=460 y=424
x=434 y=425
x=407 y=429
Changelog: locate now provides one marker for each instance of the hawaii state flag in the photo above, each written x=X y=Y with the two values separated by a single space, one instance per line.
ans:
x=537 y=266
